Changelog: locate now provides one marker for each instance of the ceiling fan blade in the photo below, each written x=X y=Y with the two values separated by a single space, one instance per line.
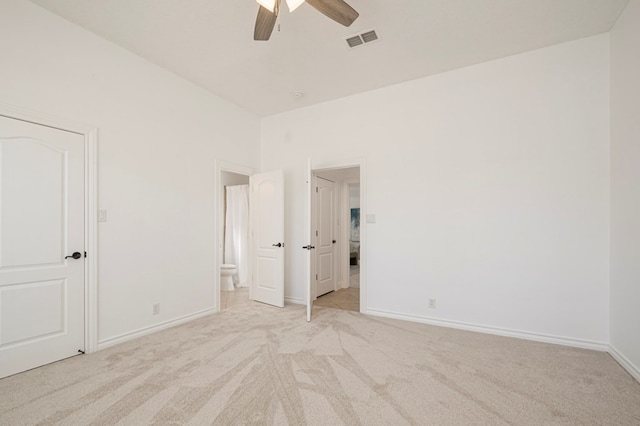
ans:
x=265 y=22
x=337 y=10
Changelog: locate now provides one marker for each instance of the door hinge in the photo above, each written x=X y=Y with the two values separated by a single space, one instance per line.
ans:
x=85 y=254
x=316 y=277
x=316 y=232
x=316 y=189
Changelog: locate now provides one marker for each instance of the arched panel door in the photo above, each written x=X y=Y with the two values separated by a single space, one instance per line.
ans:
x=41 y=245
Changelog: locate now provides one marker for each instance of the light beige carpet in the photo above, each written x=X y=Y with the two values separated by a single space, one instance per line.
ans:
x=254 y=364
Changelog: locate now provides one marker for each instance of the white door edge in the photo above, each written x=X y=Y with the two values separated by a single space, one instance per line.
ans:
x=308 y=269
x=361 y=163
x=90 y=134
x=220 y=167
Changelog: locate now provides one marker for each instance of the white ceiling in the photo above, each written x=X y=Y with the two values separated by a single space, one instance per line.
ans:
x=210 y=42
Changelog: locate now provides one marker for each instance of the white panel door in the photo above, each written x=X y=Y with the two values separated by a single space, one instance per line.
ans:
x=41 y=224
x=325 y=240
x=308 y=231
x=267 y=227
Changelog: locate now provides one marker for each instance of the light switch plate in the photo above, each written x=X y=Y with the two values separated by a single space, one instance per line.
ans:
x=102 y=215
x=371 y=218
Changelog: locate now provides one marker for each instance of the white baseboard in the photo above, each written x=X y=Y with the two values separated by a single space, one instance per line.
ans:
x=625 y=363
x=294 y=300
x=537 y=337
x=112 y=341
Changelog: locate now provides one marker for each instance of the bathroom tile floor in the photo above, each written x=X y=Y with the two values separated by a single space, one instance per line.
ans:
x=347 y=299
x=233 y=298
x=354 y=276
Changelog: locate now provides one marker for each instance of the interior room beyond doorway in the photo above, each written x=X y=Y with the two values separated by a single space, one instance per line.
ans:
x=235 y=239
x=341 y=212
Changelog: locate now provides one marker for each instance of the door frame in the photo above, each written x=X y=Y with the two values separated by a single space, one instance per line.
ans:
x=345 y=164
x=346 y=217
x=220 y=167
x=90 y=135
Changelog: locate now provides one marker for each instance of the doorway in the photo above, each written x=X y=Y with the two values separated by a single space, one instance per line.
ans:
x=354 y=233
x=265 y=242
x=337 y=257
x=233 y=247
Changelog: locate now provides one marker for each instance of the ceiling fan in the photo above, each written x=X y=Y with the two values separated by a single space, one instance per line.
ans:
x=337 y=10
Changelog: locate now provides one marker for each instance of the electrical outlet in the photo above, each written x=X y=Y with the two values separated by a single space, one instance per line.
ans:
x=156 y=309
x=432 y=303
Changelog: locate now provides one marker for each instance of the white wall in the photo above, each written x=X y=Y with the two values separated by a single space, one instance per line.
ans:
x=490 y=185
x=354 y=196
x=625 y=187
x=159 y=137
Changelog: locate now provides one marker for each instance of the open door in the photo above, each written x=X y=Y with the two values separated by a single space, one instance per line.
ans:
x=267 y=228
x=309 y=246
x=325 y=240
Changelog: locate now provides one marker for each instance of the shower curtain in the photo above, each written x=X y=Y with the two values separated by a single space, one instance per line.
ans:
x=236 y=232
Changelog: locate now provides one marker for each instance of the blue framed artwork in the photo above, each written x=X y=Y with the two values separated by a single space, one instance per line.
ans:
x=355 y=225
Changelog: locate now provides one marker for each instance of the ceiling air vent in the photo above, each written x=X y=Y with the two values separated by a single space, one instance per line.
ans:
x=369 y=36
x=361 y=39
x=354 y=41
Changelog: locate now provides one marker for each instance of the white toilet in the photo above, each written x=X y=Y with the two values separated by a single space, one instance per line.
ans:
x=227 y=270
